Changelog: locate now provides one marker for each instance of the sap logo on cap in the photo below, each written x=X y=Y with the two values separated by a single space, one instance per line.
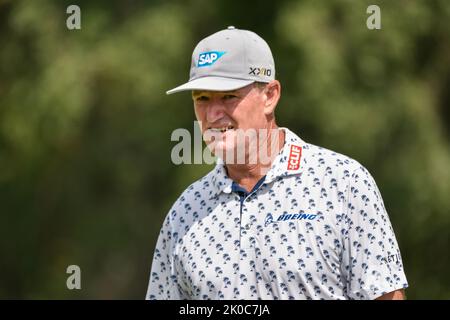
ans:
x=208 y=58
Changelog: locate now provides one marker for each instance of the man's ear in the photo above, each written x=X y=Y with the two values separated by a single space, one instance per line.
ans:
x=272 y=93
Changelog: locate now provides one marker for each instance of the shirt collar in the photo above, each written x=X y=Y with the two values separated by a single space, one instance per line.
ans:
x=291 y=158
x=220 y=180
x=288 y=162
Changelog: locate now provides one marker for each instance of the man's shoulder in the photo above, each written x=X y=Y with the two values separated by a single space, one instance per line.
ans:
x=191 y=203
x=201 y=189
x=334 y=168
x=317 y=156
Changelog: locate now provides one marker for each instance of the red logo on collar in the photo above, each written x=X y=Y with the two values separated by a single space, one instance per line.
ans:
x=294 y=157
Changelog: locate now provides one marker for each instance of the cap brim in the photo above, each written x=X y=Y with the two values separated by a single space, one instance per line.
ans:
x=212 y=84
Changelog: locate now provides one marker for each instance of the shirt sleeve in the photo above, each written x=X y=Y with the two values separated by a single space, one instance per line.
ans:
x=163 y=284
x=371 y=260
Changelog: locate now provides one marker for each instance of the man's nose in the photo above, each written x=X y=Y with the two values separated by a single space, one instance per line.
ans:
x=214 y=111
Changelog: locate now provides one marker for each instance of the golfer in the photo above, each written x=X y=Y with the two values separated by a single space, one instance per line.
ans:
x=278 y=217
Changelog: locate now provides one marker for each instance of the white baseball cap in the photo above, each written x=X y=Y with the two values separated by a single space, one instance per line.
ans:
x=228 y=60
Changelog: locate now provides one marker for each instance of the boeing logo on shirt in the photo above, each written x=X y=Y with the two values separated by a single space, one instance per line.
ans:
x=209 y=58
x=269 y=219
x=288 y=216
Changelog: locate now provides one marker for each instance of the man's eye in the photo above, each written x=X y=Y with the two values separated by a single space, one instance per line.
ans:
x=229 y=96
x=202 y=98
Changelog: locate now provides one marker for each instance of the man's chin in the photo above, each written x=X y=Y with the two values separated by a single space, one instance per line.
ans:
x=223 y=151
x=230 y=155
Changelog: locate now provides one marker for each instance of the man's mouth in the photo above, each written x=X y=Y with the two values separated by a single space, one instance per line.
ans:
x=221 y=129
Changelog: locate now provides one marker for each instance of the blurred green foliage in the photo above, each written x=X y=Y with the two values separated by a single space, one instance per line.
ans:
x=86 y=176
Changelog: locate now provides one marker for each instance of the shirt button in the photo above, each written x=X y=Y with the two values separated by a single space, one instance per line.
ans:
x=247 y=226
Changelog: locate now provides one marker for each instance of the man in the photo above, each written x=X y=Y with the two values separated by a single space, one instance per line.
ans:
x=305 y=223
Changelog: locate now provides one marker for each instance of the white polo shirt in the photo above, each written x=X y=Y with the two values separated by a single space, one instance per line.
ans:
x=314 y=228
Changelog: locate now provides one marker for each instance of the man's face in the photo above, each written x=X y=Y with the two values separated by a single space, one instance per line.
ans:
x=221 y=114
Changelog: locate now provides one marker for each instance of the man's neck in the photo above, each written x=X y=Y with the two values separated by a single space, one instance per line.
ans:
x=248 y=175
